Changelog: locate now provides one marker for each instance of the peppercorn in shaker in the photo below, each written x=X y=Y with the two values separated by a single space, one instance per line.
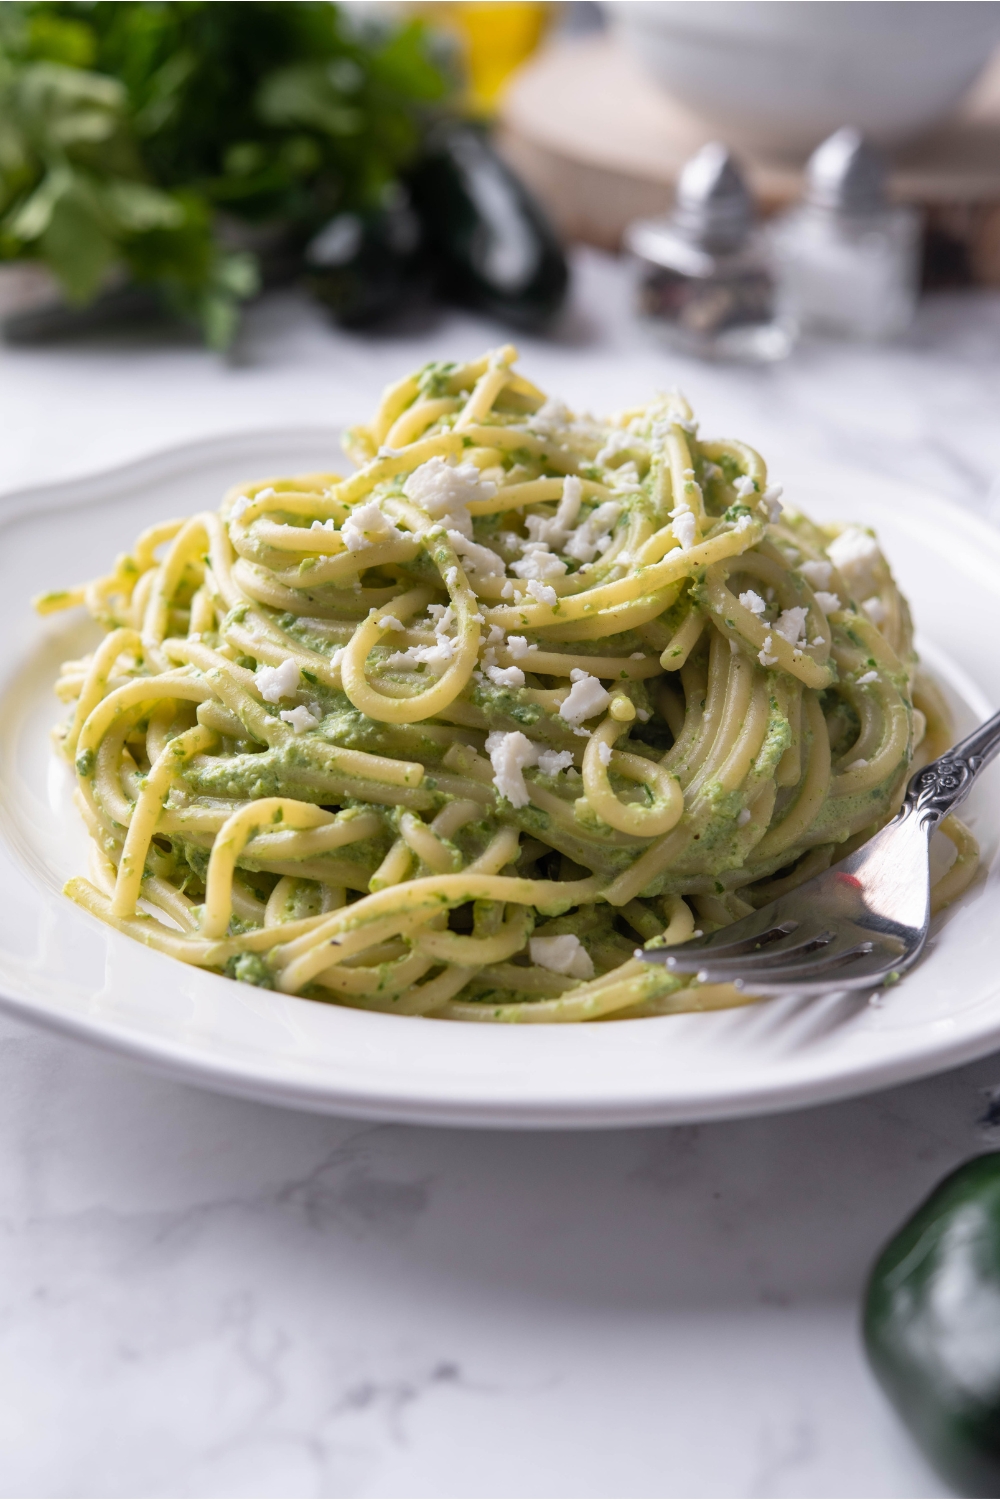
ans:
x=705 y=279
x=847 y=258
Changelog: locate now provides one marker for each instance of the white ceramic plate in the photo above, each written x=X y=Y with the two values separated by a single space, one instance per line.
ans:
x=63 y=969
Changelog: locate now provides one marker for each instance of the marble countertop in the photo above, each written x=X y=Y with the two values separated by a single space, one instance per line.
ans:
x=205 y=1297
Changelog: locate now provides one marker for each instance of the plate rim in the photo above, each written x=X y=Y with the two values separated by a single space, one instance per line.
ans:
x=191 y=1063
x=60 y=494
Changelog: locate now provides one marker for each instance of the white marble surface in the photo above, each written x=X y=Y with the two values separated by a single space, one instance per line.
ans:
x=200 y=1296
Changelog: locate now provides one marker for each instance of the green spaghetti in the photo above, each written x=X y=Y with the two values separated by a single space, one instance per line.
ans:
x=451 y=736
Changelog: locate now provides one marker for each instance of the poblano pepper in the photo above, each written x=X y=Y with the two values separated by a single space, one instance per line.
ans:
x=492 y=241
x=366 y=266
x=932 y=1326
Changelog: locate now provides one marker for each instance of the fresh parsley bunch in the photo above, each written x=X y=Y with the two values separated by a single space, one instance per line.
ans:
x=150 y=142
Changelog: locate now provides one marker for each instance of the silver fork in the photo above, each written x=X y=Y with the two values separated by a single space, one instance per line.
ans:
x=860 y=924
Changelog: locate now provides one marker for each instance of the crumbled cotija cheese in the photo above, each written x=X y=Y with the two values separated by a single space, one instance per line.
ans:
x=445 y=490
x=625 y=478
x=856 y=555
x=437 y=656
x=594 y=534
x=538 y=562
x=616 y=442
x=504 y=676
x=274 y=683
x=827 y=602
x=550 y=418
x=744 y=487
x=562 y=955
x=763 y=656
x=481 y=563
x=685 y=529
x=585 y=698
x=791 y=624
x=300 y=718
x=553 y=530
x=443 y=616
x=569 y=508
x=510 y=755
x=875 y=610
x=753 y=602
x=817 y=574
x=542 y=593
x=366 y=525
x=554 y=761
x=604 y=753
x=771 y=502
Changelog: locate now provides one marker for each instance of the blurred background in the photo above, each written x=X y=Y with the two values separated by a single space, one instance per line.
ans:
x=186 y=158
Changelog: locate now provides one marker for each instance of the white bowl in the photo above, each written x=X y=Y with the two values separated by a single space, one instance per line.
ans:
x=780 y=77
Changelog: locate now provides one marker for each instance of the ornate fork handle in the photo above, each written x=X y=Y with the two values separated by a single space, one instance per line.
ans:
x=938 y=788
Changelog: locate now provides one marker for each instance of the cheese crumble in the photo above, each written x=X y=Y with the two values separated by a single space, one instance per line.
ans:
x=817 y=574
x=301 y=718
x=562 y=955
x=585 y=698
x=855 y=554
x=510 y=755
x=275 y=683
x=444 y=491
x=367 y=525
x=791 y=625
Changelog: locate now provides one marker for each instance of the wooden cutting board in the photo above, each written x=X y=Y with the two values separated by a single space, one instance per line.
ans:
x=602 y=144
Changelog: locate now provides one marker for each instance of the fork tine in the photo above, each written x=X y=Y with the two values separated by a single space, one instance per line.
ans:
x=750 y=944
x=792 y=976
x=749 y=962
x=787 y=936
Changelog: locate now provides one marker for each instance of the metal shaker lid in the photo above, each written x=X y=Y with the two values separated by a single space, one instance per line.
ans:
x=846 y=174
x=713 y=204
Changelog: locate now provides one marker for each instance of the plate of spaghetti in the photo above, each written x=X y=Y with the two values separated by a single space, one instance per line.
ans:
x=455 y=734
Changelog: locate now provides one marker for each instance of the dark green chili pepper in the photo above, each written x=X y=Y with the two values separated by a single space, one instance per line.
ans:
x=932 y=1326
x=494 y=246
x=365 y=266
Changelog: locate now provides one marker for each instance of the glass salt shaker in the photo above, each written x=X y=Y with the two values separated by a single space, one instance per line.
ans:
x=848 y=259
x=706 y=285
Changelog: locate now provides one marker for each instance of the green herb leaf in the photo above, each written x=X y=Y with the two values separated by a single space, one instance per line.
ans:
x=126 y=127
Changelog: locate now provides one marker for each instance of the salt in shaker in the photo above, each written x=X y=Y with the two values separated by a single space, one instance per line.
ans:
x=706 y=284
x=848 y=260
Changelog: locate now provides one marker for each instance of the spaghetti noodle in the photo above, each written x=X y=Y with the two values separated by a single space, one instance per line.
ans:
x=448 y=736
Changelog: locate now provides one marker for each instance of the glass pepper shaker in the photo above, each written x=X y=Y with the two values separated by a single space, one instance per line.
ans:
x=706 y=285
x=848 y=259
